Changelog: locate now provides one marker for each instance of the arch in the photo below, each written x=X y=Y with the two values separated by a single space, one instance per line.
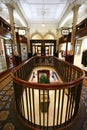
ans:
x=36 y=35
x=49 y=35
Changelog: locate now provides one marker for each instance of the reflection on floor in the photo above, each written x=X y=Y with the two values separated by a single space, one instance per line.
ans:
x=50 y=109
x=52 y=99
x=54 y=77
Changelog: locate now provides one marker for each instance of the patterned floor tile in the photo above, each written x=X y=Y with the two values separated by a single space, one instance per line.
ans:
x=5 y=98
x=2 y=92
x=9 y=126
x=7 y=88
x=4 y=115
x=2 y=104
x=9 y=93
x=8 y=105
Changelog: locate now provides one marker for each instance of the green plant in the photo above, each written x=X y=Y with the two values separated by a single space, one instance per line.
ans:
x=44 y=79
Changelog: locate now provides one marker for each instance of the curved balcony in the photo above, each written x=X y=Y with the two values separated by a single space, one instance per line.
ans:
x=48 y=106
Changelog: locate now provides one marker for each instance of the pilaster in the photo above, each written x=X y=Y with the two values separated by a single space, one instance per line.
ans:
x=28 y=38
x=10 y=10
x=75 y=17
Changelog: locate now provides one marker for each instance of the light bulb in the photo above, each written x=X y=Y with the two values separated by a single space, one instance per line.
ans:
x=43 y=25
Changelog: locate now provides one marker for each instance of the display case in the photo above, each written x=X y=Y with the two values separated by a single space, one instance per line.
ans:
x=22 y=48
x=65 y=48
x=9 y=53
x=6 y=47
x=81 y=29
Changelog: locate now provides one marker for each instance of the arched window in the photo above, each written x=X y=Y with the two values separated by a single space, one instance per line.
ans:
x=49 y=36
x=36 y=36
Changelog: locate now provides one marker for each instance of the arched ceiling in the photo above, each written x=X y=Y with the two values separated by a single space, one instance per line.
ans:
x=53 y=13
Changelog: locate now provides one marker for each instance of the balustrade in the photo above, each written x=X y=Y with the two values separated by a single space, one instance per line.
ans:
x=48 y=106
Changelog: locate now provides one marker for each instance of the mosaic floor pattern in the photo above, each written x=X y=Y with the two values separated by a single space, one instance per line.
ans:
x=6 y=97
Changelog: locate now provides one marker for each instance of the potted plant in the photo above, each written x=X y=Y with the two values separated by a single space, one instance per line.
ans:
x=44 y=98
x=44 y=79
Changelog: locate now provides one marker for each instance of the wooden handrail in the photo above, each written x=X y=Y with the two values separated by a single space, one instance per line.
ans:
x=48 y=86
x=51 y=86
x=32 y=97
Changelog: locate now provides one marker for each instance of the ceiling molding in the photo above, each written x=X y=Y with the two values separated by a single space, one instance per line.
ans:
x=69 y=9
x=20 y=14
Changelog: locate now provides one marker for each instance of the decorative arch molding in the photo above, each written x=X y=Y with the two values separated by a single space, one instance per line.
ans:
x=36 y=35
x=48 y=35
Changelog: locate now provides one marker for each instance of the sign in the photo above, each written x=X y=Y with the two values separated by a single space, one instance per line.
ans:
x=65 y=31
x=21 y=32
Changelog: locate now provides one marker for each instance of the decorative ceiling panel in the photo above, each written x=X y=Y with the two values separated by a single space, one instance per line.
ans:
x=47 y=10
x=51 y=12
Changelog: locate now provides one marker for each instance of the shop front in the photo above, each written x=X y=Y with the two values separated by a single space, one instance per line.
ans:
x=6 y=46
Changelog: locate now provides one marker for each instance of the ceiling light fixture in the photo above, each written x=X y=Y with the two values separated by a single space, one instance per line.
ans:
x=43 y=25
x=43 y=13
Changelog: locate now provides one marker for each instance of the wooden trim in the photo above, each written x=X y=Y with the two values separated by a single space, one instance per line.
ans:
x=81 y=29
x=24 y=122
x=65 y=69
x=5 y=73
x=4 y=21
x=48 y=86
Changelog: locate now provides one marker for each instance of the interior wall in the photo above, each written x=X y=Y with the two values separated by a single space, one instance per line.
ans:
x=78 y=57
x=36 y=37
x=47 y=35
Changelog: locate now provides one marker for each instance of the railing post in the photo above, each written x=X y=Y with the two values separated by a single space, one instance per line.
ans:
x=57 y=103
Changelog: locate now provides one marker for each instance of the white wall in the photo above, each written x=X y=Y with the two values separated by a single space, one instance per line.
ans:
x=78 y=58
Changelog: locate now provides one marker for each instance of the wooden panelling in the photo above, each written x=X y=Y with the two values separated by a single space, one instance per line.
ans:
x=81 y=29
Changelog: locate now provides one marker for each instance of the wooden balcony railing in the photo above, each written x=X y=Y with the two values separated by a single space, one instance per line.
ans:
x=48 y=106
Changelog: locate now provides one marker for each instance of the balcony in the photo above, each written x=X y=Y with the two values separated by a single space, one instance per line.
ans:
x=52 y=105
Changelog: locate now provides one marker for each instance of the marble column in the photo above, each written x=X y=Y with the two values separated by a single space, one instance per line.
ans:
x=58 y=33
x=57 y=37
x=75 y=17
x=28 y=38
x=28 y=41
x=10 y=10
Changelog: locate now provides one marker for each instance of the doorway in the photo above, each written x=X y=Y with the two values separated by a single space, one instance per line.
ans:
x=43 y=47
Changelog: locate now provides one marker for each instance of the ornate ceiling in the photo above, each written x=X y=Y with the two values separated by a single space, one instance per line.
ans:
x=53 y=13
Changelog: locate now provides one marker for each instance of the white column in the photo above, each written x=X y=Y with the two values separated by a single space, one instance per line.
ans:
x=58 y=31
x=28 y=38
x=56 y=40
x=75 y=17
x=10 y=10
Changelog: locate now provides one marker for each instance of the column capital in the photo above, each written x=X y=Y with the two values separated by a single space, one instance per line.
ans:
x=76 y=7
x=11 y=17
x=27 y=29
x=57 y=29
x=10 y=6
